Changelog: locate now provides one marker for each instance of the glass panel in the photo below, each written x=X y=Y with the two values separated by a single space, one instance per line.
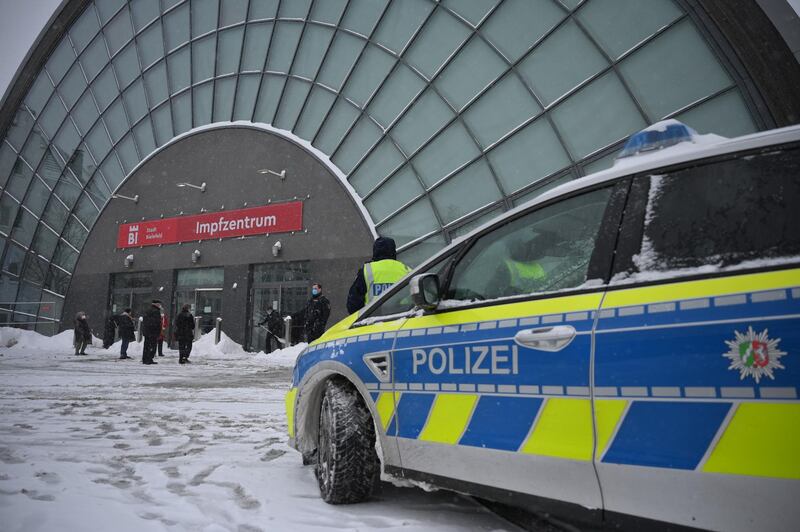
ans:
x=85 y=28
x=223 y=99
x=246 y=94
x=180 y=70
x=229 y=51
x=336 y=125
x=98 y=190
x=411 y=223
x=143 y=12
x=162 y=123
x=211 y=277
x=465 y=192
x=82 y=165
x=400 y=22
x=135 y=101
x=132 y=280
x=181 y=113
x=203 y=54
x=65 y=257
x=35 y=148
x=7 y=160
x=126 y=64
x=144 y=136
x=546 y=250
x=116 y=121
x=24 y=226
x=618 y=25
x=8 y=212
x=414 y=256
x=260 y=9
x=12 y=263
x=51 y=307
x=359 y=140
x=462 y=230
x=50 y=168
x=86 y=212
x=155 y=81
x=398 y=190
x=233 y=11
x=53 y=115
x=421 y=122
x=362 y=15
x=8 y=295
x=383 y=160
x=256 y=40
x=284 y=43
x=501 y=109
x=564 y=60
x=541 y=189
x=38 y=94
x=34 y=273
x=294 y=9
x=45 y=243
x=20 y=127
x=85 y=113
x=74 y=233
x=68 y=189
x=517 y=24
x=119 y=31
x=473 y=11
x=530 y=155
x=98 y=141
x=73 y=85
x=112 y=171
x=450 y=150
x=95 y=57
x=105 y=88
x=725 y=115
x=37 y=196
x=176 y=27
x=341 y=57
x=475 y=67
x=267 y=102
x=202 y=104
x=151 y=45
x=20 y=177
x=55 y=215
x=107 y=8
x=316 y=40
x=127 y=154
x=293 y=98
x=170 y=3
x=613 y=113
x=371 y=70
x=204 y=16
x=60 y=60
x=397 y=92
x=318 y=104
x=436 y=42
x=603 y=163
x=329 y=11
x=687 y=71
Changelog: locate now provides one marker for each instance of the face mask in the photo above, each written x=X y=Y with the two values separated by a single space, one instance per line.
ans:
x=314 y=292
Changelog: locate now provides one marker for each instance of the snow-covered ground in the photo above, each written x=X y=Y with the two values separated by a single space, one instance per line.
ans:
x=97 y=443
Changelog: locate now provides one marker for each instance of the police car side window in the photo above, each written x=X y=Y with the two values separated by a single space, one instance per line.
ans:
x=545 y=250
x=741 y=211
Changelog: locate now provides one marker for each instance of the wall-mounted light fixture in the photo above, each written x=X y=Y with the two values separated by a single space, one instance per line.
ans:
x=235 y=286
x=201 y=187
x=195 y=256
x=276 y=248
x=134 y=199
x=129 y=260
x=281 y=174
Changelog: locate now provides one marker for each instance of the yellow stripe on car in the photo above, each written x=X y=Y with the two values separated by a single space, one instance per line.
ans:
x=290 y=396
x=385 y=406
x=608 y=414
x=563 y=430
x=448 y=418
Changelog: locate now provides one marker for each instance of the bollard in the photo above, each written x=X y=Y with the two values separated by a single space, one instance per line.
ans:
x=287 y=331
x=217 y=331
x=139 y=329
x=197 y=331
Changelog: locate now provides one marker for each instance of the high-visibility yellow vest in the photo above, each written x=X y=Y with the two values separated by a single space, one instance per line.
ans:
x=525 y=276
x=380 y=275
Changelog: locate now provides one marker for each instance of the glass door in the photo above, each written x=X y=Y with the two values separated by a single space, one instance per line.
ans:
x=278 y=290
x=208 y=305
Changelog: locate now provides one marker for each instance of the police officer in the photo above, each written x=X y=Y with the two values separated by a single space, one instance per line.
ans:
x=151 y=330
x=376 y=276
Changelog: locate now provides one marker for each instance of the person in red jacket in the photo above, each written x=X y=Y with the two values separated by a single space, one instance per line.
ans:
x=164 y=326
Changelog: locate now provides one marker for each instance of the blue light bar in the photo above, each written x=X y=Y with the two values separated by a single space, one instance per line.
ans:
x=656 y=137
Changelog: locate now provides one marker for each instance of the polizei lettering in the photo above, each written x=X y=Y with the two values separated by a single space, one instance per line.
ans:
x=467 y=360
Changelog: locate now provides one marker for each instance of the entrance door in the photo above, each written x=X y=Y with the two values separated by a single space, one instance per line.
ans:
x=281 y=289
x=205 y=303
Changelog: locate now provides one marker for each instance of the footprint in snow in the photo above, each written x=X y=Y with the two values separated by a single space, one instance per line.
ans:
x=272 y=454
x=33 y=494
x=48 y=477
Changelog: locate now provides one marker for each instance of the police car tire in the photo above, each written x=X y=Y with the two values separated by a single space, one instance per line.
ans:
x=347 y=463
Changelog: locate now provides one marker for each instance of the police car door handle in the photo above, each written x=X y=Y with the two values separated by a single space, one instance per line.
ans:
x=546 y=338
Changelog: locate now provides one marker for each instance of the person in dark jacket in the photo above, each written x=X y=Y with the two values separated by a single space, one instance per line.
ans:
x=316 y=314
x=377 y=275
x=83 y=333
x=127 y=332
x=151 y=330
x=184 y=333
x=272 y=323
x=109 y=331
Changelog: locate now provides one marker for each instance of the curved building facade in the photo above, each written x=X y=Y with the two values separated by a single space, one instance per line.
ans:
x=416 y=119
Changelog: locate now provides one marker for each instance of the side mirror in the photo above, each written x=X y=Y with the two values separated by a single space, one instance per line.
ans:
x=425 y=291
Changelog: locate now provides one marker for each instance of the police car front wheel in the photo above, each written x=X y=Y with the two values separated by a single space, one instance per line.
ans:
x=347 y=463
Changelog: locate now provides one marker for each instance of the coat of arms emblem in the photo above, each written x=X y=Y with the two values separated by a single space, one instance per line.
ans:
x=754 y=355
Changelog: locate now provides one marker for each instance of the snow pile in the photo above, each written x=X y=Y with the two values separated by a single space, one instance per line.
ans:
x=20 y=339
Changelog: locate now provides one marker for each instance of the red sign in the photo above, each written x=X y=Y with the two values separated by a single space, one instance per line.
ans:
x=278 y=218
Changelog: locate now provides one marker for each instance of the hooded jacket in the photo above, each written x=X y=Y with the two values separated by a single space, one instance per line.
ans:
x=383 y=249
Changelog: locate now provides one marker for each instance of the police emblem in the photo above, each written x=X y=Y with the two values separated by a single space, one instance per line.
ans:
x=754 y=355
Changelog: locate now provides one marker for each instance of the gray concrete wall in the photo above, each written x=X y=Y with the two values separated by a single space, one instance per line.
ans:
x=336 y=238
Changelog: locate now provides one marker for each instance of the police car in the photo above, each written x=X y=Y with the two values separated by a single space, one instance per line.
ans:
x=624 y=346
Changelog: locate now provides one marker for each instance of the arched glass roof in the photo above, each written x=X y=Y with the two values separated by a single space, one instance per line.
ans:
x=440 y=114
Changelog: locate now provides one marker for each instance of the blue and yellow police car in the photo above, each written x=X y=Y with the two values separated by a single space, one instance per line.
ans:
x=625 y=346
